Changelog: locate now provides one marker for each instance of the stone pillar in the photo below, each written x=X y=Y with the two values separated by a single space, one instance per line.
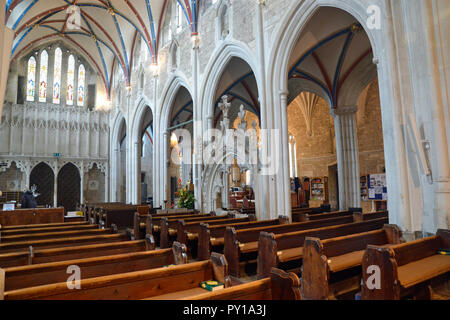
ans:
x=284 y=201
x=107 y=195
x=347 y=157
x=226 y=187
x=166 y=163
x=137 y=173
x=197 y=157
x=82 y=184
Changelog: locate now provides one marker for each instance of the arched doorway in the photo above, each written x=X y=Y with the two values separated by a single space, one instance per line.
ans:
x=236 y=106
x=329 y=68
x=43 y=177
x=179 y=134
x=69 y=187
x=145 y=154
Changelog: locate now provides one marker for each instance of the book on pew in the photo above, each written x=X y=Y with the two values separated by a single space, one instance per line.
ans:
x=211 y=285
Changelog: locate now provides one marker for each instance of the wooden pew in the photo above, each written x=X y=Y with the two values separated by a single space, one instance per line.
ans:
x=210 y=237
x=168 y=227
x=38 y=256
x=359 y=216
x=188 y=231
x=140 y=223
x=122 y=217
x=49 y=273
x=407 y=270
x=162 y=283
x=58 y=243
x=41 y=226
x=280 y=286
x=325 y=260
x=96 y=215
x=299 y=212
x=12 y=232
x=31 y=216
x=239 y=243
x=45 y=234
x=275 y=249
x=310 y=216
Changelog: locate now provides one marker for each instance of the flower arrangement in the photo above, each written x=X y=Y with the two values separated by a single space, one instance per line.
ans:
x=186 y=198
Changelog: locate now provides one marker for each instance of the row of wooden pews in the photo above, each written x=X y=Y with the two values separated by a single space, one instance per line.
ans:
x=322 y=256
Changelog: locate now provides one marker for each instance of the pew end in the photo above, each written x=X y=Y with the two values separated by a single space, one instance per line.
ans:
x=220 y=269
x=179 y=253
x=150 y=243
x=284 y=285
x=2 y=284
x=267 y=254
x=137 y=226
x=314 y=279
x=382 y=259
x=204 y=243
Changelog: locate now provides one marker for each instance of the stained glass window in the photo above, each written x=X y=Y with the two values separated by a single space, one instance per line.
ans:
x=81 y=85
x=70 y=80
x=57 y=76
x=43 y=77
x=31 y=79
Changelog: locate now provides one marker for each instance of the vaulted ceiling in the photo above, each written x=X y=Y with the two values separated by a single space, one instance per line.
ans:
x=104 y=31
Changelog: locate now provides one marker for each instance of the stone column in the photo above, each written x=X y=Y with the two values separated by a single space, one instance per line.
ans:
x=347 y=156
x=284 y=201
x=226 y=187
x=82 y=183
x=107 y=196
x=137 y=173
x=166 y=163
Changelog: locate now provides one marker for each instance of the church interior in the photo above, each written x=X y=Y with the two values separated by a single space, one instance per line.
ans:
x=224 y=150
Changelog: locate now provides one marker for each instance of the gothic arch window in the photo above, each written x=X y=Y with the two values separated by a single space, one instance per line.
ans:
x=224 y=21
x=141 y=81
x=57 y=76
x=70 y=80
x=43 y=77
x=81 y=85
x=174 y=56
x=31 y=78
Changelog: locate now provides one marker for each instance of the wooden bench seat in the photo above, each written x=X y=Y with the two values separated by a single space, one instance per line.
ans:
x=132 y=285
x=52 y=235
x=214 y=235
x=37 y=256
x=42 y=274
x=408 y=270
x=280 y=286
x=236 y=240
x=40 y=226
x=140 y=222
x=188 y=231
x=422 y=270
x=122 y=217
x=12 y=232
x=274 y=249
x=325 y=260
x=167 y=223
x=58 y=243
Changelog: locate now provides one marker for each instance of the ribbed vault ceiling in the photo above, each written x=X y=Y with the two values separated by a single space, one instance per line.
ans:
x=104 y=31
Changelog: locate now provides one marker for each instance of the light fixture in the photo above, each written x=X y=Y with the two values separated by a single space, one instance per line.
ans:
x=128 y=88
x=195 y=40
x=173 y=140
x=154 y=68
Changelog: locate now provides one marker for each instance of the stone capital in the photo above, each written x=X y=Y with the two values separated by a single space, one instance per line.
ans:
x=343 y=110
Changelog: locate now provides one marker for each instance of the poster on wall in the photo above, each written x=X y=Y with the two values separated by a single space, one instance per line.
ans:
x=377 y=187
